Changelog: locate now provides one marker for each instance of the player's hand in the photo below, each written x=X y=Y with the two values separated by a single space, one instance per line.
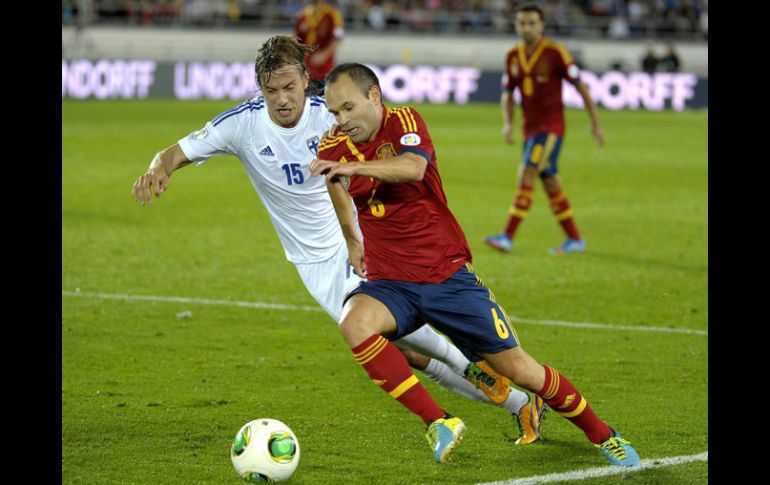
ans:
x=331 y=169
x=356 y=256
x=598 y=134
x=508 y=133
x=153 y=181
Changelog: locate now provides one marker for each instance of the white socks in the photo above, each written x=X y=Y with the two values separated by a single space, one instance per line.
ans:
x=447 y=367
x=428 y=342
x=446 y=378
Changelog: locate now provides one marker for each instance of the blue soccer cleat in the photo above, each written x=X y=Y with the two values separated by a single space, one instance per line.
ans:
x=501 y=242
x=443 y=435
x=570 y=246
x=619 y=451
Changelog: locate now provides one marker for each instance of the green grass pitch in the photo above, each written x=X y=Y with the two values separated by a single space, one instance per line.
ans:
x=150 y=398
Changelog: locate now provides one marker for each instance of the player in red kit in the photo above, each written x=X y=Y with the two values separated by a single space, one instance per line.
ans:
x=320 y=25
x=417 y=262
x=536 y=66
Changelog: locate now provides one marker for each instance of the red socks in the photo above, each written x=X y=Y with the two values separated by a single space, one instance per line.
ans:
x=520 y=208
x=563 y=213
x=562 y=397
x=388 y=368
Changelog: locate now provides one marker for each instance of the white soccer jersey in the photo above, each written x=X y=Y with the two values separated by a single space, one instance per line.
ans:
x=277 y=161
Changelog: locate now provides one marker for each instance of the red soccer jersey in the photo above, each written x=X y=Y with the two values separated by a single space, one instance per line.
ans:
x=538 y=76
x=409 y=232
x=318 y=28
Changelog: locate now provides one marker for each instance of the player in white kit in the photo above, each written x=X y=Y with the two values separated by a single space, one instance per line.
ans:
x=276 y=136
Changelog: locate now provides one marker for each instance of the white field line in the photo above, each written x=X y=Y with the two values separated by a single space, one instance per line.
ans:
x=277 y=306
x=560 y=323
x=194 y=301
x=603 y=471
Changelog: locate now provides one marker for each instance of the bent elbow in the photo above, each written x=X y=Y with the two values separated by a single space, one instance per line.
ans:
x=412 y=168
x=419 y=169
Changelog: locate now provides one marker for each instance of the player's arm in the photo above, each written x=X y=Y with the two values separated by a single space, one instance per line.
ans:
x=343 y=207
x=337 y=22
x=596 y=128
x=321 y=55
x=407 y=167
x=155 y=179
x=506 y=106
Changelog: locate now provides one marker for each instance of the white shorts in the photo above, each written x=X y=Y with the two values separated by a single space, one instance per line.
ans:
x=329 y=281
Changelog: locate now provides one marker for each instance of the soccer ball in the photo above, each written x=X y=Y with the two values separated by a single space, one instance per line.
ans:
x=265 y=450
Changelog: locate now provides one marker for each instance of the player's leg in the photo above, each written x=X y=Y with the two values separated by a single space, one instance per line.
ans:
x=522 y=201
x=476 y=323
x=564 y=398
x=527 y=412
x=448 y=305
x=438 y=359
x=558 y=201
x=329 y=281
x=426 y=342
x=512 y=399
x=366 y=321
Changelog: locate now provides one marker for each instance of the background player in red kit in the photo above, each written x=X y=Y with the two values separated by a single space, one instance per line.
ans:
x=418 y=265
x=320 y=25
x=536 y=66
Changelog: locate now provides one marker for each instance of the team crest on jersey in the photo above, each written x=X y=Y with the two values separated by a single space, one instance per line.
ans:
x=200 y=134
x=385 y=151
x=312 y=145
x=410 y=139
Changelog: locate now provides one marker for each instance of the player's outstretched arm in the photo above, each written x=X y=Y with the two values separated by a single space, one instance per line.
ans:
x=596 y=128
x=155 y=179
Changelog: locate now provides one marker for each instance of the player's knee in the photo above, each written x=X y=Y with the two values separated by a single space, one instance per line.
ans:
x=529 y=174
x=356 y=328
x=551 y=183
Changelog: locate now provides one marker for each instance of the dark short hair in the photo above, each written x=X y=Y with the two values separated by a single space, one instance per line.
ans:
x=531 y=7
x=364 y=77
x=279 y=51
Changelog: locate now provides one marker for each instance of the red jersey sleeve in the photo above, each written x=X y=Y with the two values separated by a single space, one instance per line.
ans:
x=409 y=134
x=338 y=22
x=567 y=69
